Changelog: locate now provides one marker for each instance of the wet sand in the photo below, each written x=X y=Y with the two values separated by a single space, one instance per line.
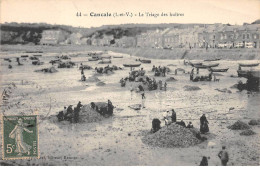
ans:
x=117 y=140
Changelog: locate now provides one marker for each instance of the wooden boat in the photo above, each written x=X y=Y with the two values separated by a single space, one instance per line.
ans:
x=7 y=59
x=248 y=65
x=85 y=67
x=218 y=70
x=24 y=56
x=37 y=62
x=117 y=56
x=206 y=66
x=55 y=61
x=105 y=57
x=248 y=73
x=131 y=65
x=209 y=60
x=105 y=62
x=135 y=106
x=195 y=64
x=145 y=61
x=93 y=59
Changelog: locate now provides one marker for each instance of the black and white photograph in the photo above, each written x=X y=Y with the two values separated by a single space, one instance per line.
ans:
x=130 y=83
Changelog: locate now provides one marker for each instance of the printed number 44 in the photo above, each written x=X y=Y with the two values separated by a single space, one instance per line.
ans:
x=9 y=148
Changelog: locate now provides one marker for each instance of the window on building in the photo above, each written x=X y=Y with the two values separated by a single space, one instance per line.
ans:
x=236 y=36
x=248 y=36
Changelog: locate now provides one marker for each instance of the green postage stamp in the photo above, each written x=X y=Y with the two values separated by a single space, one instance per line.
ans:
x=20 y=137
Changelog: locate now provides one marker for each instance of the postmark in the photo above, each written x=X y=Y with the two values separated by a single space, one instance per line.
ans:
x=20 y=137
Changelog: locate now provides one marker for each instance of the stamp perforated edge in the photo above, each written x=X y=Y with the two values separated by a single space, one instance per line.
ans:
x=16 y=158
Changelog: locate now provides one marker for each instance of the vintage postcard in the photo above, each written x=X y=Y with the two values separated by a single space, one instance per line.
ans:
x=130 y=83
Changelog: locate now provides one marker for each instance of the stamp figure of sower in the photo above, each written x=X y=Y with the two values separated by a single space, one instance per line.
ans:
x=20 y=137
x=17 y=134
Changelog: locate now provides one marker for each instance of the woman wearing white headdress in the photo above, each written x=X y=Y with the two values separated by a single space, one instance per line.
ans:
x=17 y=134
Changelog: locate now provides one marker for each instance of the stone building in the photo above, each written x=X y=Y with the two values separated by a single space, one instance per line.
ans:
x=125 y=42
x=53 y=37
x=154 y=39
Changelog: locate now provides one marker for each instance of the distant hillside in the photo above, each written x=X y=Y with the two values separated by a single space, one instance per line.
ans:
x=135 y=29
x=24 y=33
x=256 y=22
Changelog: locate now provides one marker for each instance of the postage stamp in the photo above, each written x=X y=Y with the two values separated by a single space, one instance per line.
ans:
x=20 y=137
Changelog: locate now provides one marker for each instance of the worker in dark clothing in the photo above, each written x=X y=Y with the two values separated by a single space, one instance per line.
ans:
x=18 y=61
x=153 y=69
x=76 y=112
x=82 y=70
x=204 y=161
x=173 y=116
x=110 y=107
x=203 y=119
x=69 y=115
x=223 y=155
x=156 y=125
x=182 y=123
x=163 y=71
x=190 y=125
x=165 y=85
x=204 y=124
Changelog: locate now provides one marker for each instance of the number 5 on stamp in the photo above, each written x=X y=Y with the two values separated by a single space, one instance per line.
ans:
x=20 y=137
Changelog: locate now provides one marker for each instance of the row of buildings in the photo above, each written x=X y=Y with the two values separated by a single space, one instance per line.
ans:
x=208 y=36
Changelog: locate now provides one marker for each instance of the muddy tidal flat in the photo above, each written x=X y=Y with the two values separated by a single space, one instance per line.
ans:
x=118 y=140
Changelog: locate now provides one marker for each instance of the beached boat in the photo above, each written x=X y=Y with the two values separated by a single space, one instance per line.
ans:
x=248 y=65
x=55 y=61
x=206 y=66
x=218 y=70
x=195 y=64
x=145 y=61
x=7 y=59
x=131 y=65
x=37 y=62
x=209 y=60
x=105 y=57
x=24 y=56
x=85 y=67
x=248 y=73
x=117 y=56
x=105 y=62
x=93 y=59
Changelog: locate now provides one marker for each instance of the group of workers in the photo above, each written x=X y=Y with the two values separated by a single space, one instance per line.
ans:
x=200 y=78
x=159 y=71
x=167 y=114
x=107 y=69
x=223 y=156
x=70 y=114
x=103 y=110
x=161 y=85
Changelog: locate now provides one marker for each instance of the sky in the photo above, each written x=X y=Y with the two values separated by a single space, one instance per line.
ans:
x=64 y=11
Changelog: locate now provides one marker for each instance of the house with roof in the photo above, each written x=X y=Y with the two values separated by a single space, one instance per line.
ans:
x=245 y=34
x=53 y=37
x=154 y=39
x=126 y=42
x=171 y=39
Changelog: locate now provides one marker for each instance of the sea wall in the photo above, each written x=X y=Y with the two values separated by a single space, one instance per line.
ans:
x=178 y=53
